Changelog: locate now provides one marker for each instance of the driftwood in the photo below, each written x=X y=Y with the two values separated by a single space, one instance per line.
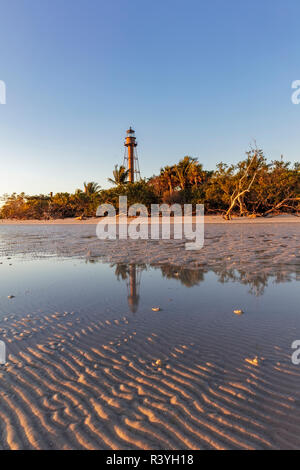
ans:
x=282 y=204
x=239 y=191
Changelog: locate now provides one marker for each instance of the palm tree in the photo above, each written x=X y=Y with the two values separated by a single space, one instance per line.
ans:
x=91 y=188
x=195 y=173
x=167 y=175
x=183 y=169
x=120 y=175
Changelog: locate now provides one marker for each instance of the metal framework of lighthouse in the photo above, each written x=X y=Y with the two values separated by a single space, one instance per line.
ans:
x=131 y=161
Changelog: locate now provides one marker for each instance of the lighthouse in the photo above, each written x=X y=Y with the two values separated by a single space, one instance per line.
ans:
x=131 y=161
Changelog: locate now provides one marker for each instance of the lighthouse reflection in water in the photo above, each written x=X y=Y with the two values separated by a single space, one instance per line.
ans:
x=166 y=286
x=132 y=275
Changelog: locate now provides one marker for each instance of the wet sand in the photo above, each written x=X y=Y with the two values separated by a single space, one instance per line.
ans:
x=89 y=379
x=252 y=246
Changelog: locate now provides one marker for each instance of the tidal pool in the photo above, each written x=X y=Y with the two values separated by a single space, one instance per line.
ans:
x=91 y=365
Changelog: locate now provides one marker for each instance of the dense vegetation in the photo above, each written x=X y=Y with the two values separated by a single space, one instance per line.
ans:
x=253 y=187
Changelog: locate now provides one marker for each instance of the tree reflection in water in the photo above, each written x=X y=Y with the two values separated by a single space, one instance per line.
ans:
x=257 y=281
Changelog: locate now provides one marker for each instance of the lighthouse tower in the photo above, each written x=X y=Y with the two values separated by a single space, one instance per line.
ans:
x=131 y=161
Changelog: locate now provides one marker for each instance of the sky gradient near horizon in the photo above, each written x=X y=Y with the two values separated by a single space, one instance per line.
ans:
x=193 y=77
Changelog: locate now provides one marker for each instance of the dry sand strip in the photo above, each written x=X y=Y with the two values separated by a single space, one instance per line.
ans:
x=209 y=219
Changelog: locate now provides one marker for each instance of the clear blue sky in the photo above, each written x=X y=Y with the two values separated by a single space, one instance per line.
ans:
x=193 y=77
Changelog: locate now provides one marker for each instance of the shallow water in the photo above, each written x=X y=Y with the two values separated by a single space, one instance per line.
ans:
x=83 y=345
x=70 y=284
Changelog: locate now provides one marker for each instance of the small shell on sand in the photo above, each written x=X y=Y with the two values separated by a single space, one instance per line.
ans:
x=156 y=309
x=253 y=362
x=238 y=312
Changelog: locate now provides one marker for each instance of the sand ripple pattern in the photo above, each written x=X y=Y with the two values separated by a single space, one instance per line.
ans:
x=76 y=381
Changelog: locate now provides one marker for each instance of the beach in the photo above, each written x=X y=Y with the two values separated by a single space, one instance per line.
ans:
x=149 y=228
x=266 y=245
x=85 y=370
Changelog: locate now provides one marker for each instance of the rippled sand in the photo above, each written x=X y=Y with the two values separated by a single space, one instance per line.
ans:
x=89 y=379
x=81 y=383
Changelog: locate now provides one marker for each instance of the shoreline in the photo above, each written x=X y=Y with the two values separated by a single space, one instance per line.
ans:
x=208 y=219
x=251 y=248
